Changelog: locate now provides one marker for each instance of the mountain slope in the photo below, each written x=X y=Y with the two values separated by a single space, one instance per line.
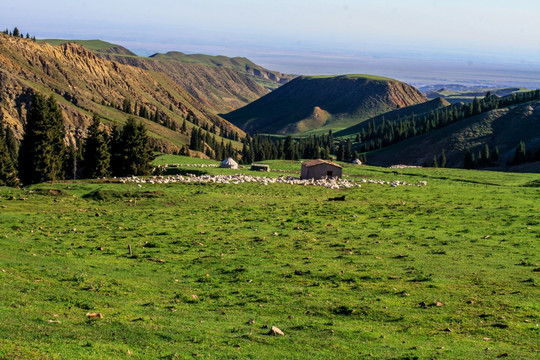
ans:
x=503 y=128
x=219 y=89
x=417 y=109
x=221 y=83
x=267 y=78
x=84 y=83
x=320 y=103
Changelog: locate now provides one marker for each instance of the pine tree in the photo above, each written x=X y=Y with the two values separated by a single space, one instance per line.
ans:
x=184 y=127
x=126 y=106
x=97 y=158
x=288 y=149
x=442 y=159
x=495 y=155
x=486 y=156
x=42 y=149
x=135 y=153
x=434 y=162
x=520 y=155
x=12 y=145
x=468 y=161
x=16 y=32
x=8 y=175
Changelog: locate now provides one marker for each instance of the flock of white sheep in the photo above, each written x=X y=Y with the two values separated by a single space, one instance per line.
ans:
x=332 y=183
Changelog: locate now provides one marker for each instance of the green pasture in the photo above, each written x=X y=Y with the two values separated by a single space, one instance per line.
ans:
x=444 y=271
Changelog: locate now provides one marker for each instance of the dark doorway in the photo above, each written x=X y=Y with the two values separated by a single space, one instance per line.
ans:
x=329 y=174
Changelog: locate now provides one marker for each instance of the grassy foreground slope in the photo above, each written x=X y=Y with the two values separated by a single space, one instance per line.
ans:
x=448 y=271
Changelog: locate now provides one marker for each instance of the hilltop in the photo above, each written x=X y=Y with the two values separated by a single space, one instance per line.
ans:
x=220 y=83
x=319 y=103
x=83 y=84
x=96 y=46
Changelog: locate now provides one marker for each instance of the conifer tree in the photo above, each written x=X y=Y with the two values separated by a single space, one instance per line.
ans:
x=495 y=155
x=468 y=161
x=12 y=145
x=8 y=175
x=97 y=158
x=520 y=155
x=442 y=159
x=42 y=149
x=133 y=153
x=16 y=32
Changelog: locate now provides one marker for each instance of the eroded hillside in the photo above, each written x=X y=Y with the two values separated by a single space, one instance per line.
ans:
x=84 y=83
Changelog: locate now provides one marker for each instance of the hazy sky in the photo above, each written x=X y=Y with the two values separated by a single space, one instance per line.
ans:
x=497 y=31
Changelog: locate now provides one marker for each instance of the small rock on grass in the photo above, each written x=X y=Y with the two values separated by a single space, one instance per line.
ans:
x=276 y=331
x=95 y=315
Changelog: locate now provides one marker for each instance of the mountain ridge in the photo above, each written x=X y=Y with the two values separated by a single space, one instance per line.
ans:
x=83 y=83
x=221 y=83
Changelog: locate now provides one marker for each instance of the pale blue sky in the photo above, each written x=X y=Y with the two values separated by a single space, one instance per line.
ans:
x=496 y=31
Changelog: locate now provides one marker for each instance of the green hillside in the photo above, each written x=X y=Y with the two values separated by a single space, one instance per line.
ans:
x=319 y=103
x=417 y=109
x=448 y=270
x=503 y=128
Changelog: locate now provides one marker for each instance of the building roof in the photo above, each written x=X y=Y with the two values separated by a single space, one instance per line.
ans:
x=316 y=162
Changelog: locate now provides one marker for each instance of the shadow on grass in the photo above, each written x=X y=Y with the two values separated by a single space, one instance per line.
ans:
x=184 y=172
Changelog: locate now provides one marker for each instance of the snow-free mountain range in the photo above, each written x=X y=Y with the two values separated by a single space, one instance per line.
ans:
x=230 y=97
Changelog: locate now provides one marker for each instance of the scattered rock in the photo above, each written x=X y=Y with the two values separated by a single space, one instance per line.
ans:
x=438 y=303
x=503 y=355
x=264 y=327
x=470 y=302
x=486 y=339
x=95 y=315
x=194 y=296
x=447 y=330
x=275 y=331
x=486 y=237
x=251 y=321
x=291 y=316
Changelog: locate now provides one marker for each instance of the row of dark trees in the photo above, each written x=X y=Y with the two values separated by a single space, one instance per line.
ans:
x=489 y=157
x=483 y=158
x=43 y=155
x=17 y=33
x=164 y=120
x=259 y=147
x=207 y=143
x=523 y=154
x=375 y=136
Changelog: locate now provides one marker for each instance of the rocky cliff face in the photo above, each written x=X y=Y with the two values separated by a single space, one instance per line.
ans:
x=83 y=83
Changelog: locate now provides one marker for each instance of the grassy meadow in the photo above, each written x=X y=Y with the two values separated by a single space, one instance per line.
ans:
x=445 y=271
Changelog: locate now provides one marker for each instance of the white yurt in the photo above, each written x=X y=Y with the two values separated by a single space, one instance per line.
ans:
x=229 y=163
x=357 y=162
